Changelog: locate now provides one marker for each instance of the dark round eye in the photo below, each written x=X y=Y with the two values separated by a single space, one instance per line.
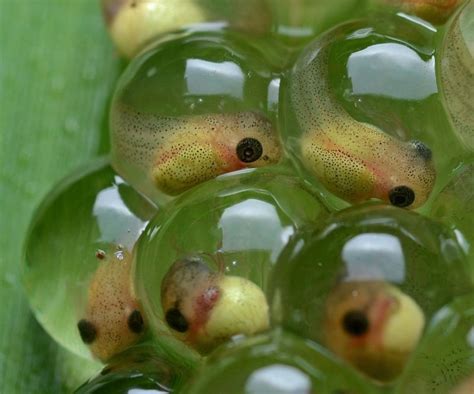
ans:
x=135 y=322
x=401 y=196
x=87 y=331
x=422 y=149
x=176 y=320
x=355 y=323
x=249 y=150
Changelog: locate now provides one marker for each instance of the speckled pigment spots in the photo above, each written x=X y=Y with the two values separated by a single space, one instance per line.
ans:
x=354 y=160
x=113 y=319
x=178 y=153
x=457 y=74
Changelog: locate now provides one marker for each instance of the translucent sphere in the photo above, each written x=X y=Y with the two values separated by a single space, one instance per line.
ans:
x=134 y=23
x=366 y=284
x=454 y=205
x=77 y=260
x=444 y=360
x=436 y=12
x=193 y=107
x=277 y=363
x=141 y=367
x=457 y=73
x=297 y=22
x=361 y=114
x=203 y=263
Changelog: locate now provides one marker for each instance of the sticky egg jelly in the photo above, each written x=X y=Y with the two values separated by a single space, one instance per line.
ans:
x=366 y=284
x=193 y=107
x=361 y=113
x=444 y=360
x=277 y=362
x=77 y=261
x=203 y=263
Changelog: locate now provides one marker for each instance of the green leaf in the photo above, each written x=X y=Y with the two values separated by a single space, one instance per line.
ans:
x=57 y=73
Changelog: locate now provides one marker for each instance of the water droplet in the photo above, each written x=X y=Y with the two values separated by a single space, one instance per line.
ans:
x=152 y=71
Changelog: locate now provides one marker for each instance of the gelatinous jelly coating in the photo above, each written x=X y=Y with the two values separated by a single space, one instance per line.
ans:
x=194 y=106
x=276 y=362
x=298 y=21
x=434 y=11
x=421 y=257
x=444 y=359
x=354 y=160
x=178 y=153
x=134 y=23
x=243 y=220
x=454 y=206
x=79 y=223
x=457 y=73
x=207 y=308
x=141 y=367
x=373 y=325
x=113 y=320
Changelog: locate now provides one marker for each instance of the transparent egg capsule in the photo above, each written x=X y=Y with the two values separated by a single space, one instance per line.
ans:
x=444 y=360
x=192 y=108
x=134 y=23
x=279 y=363
x=457 y=73
x=298 y=21
x=141 y=367
x=361 y=116
x=365 y=285
x=77 y=262
x=203 y=263
x=454 y=206
x=436 y=12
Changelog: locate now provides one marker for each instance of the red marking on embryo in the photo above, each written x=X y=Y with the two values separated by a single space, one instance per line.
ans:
x=378 y=317
x=203 y=306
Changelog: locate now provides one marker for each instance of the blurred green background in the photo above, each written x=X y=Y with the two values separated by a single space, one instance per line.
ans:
x=57 y=72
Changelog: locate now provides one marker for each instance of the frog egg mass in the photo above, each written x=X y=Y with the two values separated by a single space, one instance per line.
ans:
x=286 y=207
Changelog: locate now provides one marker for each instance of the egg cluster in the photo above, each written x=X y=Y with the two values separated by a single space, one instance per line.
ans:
x=287 y=206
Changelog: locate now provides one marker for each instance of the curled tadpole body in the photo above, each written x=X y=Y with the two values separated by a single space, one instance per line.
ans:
x=457 y=73
x=354 y=160
x=133 y=23
x=178 y=153
x=205 y=308
x=113 y=319
x=434 y=11
x=374 y=326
